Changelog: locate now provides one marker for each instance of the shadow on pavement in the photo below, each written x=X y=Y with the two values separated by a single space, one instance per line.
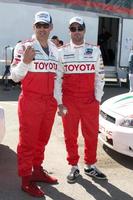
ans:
x=9 y=180
x=10 y=183
x=124 y=160
x=114 y=193
x=54 y=194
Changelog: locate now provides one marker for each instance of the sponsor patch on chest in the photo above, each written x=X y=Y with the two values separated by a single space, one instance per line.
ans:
x=79 y=68
x=66 y=56
x=88 y=52
x=41 y=66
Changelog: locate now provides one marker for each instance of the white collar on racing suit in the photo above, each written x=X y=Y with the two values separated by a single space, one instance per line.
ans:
x=76 y=46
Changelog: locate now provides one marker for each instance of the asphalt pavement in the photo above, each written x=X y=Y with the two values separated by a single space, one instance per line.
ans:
x=117 y=167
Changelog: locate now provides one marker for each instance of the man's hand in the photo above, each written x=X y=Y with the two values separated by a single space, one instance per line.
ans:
x=29 y=54
x=62 y=110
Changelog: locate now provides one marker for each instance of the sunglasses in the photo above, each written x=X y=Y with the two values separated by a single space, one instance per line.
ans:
x=40 y=25
x=74 y=29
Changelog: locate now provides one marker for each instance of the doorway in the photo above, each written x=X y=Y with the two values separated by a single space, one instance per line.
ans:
x=108 y=31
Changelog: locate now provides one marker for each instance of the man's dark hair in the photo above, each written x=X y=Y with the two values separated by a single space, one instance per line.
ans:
x=61 y=42
x=55 y=37
x=83 y=25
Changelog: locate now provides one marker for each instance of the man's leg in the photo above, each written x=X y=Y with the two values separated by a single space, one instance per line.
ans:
x=48 y=115
x=70 y=124
x=90 y=128
x=29 y=126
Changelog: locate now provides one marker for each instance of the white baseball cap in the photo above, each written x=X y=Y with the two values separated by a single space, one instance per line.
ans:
x=77 y=19
x=43 y=17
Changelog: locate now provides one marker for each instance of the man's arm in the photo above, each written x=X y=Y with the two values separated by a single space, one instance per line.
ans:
x=99 y=77
x=130 y=63
x=58 y=84
x=22 y=58
x=58 y=90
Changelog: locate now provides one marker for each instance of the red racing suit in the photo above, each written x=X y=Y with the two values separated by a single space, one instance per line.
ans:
x=37 y=105
x=79 y=87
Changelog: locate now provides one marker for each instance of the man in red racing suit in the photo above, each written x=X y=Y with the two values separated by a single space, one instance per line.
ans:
x=35 y=64
x=78 y=90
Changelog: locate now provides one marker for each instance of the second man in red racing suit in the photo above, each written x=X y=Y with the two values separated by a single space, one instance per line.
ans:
x=78 y=90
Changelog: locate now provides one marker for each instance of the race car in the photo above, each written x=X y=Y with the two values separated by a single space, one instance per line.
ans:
x=116 y=123
x=2 y=124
